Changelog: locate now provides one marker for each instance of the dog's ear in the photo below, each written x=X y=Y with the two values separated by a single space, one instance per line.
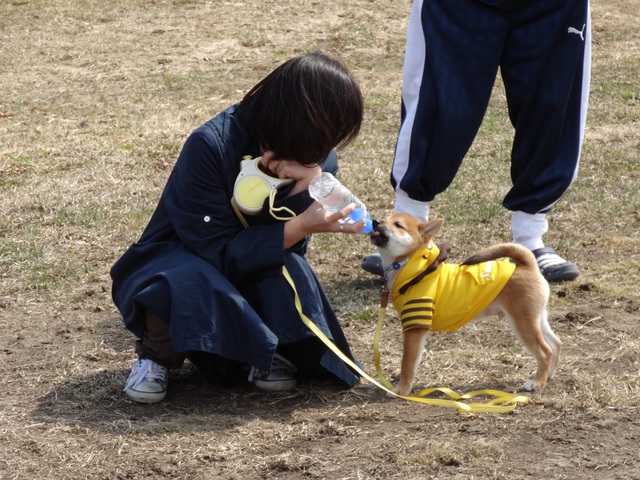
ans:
x=429 y=229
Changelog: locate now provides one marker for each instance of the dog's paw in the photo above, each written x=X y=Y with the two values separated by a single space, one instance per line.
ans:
x=398 y=390
x=529 y=386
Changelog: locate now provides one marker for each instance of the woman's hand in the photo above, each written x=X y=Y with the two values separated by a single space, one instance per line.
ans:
x=316 y=219
x=281 y=168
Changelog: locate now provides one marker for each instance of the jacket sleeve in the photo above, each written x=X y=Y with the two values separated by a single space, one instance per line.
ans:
x=197 y=201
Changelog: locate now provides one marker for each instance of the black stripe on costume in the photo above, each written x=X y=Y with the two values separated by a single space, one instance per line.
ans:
x=416 y=301
x=418 y=305
x=416 y=321
x=417 y=313
x=411 y=318
x=406 y=311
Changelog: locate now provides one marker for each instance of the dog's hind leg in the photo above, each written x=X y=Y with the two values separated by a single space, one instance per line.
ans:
x=529 y=331
x=412 y=348
x=552 y=340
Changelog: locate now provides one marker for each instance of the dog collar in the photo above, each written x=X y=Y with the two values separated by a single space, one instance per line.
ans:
x=397 y=265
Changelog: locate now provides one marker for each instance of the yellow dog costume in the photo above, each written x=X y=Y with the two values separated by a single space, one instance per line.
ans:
x=449 y=296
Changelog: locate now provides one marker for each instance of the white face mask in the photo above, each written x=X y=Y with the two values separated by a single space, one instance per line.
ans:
x=254 y=185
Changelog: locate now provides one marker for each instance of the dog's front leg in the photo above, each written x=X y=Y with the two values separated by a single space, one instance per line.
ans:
x=412 y=348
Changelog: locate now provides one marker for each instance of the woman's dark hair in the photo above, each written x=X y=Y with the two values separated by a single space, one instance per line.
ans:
x=304 y=108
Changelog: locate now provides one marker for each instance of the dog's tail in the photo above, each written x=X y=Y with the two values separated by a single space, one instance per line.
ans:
x=521 y=255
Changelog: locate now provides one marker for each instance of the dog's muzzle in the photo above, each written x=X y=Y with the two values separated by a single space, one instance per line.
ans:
x=378 y=235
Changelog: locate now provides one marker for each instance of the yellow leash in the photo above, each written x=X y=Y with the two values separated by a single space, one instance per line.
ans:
x=272 y=210
x=503 y=402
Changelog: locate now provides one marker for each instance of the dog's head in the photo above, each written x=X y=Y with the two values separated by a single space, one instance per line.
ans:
x=400 y=235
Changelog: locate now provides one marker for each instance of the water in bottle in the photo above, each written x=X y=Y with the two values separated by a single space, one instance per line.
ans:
x=333 y=196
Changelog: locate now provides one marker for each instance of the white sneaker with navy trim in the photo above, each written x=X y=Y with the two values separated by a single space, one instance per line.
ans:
x=147 y=382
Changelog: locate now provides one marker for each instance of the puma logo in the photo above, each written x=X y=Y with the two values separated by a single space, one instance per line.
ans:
x=577 y=32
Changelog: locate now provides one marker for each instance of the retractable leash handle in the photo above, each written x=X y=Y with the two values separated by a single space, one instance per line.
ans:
x=253 y=185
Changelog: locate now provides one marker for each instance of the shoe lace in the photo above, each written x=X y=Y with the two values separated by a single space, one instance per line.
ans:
x=279 y=363
x=146 y=369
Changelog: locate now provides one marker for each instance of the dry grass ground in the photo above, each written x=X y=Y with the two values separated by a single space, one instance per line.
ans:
x=96 y=99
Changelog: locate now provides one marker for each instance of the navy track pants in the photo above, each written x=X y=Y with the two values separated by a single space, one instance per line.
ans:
x=454 y=50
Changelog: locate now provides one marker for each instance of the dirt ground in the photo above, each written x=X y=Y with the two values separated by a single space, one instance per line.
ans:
x=96 y=99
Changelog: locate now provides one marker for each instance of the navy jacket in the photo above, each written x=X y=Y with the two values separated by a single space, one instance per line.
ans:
x=218 y=285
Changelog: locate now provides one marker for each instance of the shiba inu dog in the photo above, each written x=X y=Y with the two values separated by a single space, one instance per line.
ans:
x=428 y=294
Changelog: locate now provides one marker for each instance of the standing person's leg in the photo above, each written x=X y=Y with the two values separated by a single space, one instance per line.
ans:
x=546 y=68
x=451 y=60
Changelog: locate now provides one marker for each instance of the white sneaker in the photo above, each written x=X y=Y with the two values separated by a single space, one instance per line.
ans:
x=280 y=378
x=147 y=382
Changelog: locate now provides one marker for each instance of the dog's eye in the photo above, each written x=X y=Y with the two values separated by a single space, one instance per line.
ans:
x=398 y=225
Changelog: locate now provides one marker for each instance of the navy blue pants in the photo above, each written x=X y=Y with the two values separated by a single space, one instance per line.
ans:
x=454 y=51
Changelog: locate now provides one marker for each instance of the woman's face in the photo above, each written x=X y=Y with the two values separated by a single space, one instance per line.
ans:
x=288 y=168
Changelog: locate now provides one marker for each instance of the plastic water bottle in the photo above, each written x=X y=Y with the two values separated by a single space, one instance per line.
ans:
x=333 y=196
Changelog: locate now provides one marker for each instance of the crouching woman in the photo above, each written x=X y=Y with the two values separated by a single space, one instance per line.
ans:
x=227 y=288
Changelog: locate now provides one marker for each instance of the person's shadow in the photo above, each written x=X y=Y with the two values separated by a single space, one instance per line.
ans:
x=96 y=401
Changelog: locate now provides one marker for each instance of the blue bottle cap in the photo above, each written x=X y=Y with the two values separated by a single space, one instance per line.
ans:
x=368 y=227
x=357 y=215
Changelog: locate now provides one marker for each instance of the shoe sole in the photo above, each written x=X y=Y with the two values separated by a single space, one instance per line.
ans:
x=565 y=273
x=145 y=397
x=276 y=386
